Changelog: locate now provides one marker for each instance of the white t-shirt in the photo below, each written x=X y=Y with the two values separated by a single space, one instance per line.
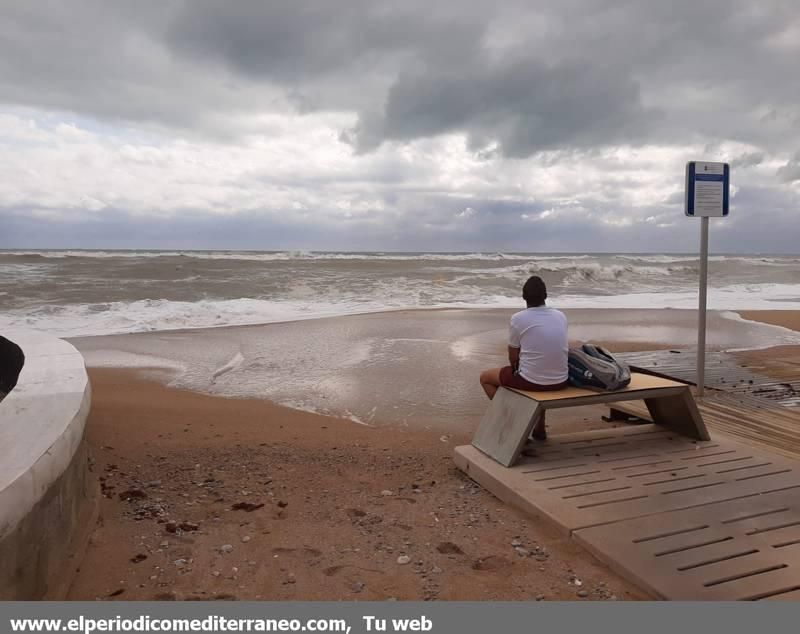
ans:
x=541 y=335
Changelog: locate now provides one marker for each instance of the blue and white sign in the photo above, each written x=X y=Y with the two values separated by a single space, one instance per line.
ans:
x=707 y=189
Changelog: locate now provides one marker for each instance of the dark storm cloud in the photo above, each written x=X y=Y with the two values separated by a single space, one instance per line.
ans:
x=520 y=76
x=579 y=76
x=435 y=62
x=294 y=42
x=524 y=107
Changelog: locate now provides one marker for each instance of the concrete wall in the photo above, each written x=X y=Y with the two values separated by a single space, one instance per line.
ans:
x=48 y=498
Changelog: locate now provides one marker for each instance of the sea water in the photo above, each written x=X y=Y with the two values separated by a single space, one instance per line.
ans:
x=78 y=293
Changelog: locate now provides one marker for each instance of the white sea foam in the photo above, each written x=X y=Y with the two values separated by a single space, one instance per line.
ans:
x=659 y=259
x=122 y=359
x=577 y=270
x=305 y=406
x=733 y=297
x=231 y=365
x=151 y=315
x=748 y=259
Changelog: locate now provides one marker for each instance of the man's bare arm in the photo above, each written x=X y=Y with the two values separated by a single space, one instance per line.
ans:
x=513 y=357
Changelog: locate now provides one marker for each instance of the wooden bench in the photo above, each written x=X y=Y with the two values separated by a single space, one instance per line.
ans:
x=511 y=415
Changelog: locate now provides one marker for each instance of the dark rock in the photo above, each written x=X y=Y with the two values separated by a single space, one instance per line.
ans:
x=449 y=548
x=331 y=571
x=248 y=507
x=132 y=494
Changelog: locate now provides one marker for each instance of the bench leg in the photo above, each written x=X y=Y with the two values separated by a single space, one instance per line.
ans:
x=506 y=426
x=678 y=413
x=614 y=414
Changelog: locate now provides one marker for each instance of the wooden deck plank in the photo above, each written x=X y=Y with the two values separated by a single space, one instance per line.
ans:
x=708 y=553
x=571 y=497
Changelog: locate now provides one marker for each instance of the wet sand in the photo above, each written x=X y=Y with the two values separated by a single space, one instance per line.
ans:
x=785 y=318
x=343 y=503
x=780 y=362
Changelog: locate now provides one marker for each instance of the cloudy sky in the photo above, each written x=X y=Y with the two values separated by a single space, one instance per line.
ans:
x=370 y=125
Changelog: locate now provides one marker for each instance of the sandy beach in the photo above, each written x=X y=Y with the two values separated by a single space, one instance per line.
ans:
x=326 y=509
x=207 y=496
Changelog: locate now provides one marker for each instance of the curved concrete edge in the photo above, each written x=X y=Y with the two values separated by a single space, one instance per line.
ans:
x=47 y=496
x=41 y=556
x=18 y=497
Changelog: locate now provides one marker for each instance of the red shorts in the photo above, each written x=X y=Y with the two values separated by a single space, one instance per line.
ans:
x=509 y=379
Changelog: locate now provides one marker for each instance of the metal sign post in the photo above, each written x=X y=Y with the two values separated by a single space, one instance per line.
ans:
x=707 y=195
x=701 y=309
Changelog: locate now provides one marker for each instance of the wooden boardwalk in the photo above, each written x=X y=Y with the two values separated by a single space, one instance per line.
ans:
x=684 y=519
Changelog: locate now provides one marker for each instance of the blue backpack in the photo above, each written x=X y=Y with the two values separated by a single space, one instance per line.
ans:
x=596 y=368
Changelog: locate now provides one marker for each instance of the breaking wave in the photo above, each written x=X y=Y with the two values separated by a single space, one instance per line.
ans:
x=151 y=315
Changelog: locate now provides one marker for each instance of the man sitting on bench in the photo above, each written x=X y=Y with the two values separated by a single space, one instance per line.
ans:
x=537 y=350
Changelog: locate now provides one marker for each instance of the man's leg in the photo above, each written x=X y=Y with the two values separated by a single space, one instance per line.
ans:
x=539 y=431
x=490 y=381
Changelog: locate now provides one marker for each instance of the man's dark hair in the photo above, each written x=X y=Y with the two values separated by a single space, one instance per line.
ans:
x=534 y=292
